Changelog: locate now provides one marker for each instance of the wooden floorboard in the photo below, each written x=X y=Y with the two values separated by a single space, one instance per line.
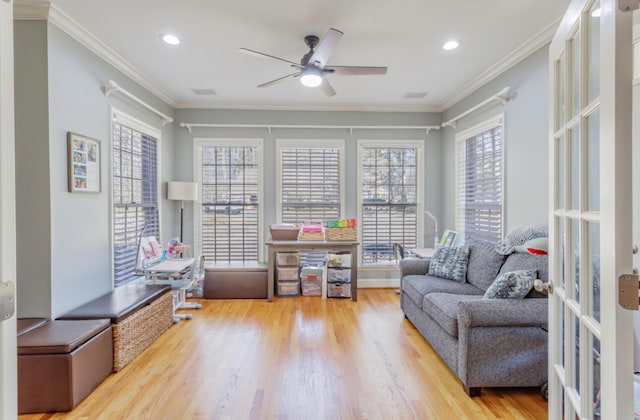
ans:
x=296 y=358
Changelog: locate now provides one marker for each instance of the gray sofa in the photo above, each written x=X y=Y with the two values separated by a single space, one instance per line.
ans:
x=485 y=342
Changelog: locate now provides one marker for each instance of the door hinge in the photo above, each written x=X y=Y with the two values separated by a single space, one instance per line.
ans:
x=628 y=5
x=628 y=289
x=7 y=300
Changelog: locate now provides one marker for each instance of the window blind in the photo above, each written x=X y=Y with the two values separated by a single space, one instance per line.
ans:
x=310 y=184
x=135 y=197
x=389 y=202
x=229 y=223
x=480 y=193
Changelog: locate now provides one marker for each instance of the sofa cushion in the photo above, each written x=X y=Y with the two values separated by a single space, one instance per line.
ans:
x=450 y=263
x=518 y=261
x=484 y=264
x=511 y=285
x=416 y=286
x=443 y=308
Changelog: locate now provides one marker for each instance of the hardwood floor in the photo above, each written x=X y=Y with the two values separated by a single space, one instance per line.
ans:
x=296 y=358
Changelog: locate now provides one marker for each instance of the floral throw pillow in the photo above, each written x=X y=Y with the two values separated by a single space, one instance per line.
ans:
x=450 y=263
x=511 y=285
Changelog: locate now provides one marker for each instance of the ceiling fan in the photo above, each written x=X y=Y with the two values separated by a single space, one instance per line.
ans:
x=313 y=65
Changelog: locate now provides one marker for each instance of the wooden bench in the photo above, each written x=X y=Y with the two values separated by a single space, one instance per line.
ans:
x=139 y=314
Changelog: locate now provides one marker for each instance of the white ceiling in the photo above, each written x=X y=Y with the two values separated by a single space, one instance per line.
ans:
x=406 y=36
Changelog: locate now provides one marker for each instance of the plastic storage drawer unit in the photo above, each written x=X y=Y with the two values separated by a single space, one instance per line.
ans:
x=339 y=275
x=340 y=260
x=288 y=288
x=339 y=290
x=287 y=273
x=311 y=287
x=288 y=259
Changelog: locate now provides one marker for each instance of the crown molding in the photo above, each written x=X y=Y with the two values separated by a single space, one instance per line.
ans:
x=31 y=9
x=514 y=57
x=294 y=107
x=84 y=37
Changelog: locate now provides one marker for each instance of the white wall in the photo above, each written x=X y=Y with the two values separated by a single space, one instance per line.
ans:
x=73 y=236
x=525 y=141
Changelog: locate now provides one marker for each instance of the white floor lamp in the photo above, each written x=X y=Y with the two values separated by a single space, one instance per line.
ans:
x=183 y=191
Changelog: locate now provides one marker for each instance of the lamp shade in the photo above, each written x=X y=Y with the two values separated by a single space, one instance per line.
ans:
x=187 y=191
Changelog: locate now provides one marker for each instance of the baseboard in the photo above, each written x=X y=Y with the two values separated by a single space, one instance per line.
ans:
x=378 y=283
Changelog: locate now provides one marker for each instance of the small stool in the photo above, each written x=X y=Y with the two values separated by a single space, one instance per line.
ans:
x=241 y=280
x=61 y=362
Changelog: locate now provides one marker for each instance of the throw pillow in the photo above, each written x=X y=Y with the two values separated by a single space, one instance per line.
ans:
x=511 y=285
x=450 y=263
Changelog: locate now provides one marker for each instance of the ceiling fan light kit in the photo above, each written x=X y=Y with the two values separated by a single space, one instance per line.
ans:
x=311 y=77
x=313 y=65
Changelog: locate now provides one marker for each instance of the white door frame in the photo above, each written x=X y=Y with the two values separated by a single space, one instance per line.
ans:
x=8 y=345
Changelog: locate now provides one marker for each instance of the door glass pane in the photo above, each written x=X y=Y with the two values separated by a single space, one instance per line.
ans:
x=575 y=168
x=562 y=335
x=593 y=162
x=562 y=245
x=574 y=45
x=575 y=346
x=561 y=66
x=560 y=177
x=593 y=46
x=593 y=244
x=596 y=378
x=574 y=258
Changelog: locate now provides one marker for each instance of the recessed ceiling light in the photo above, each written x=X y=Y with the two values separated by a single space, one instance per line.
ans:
x=170 y=39
x=451 y=45
x=597 y=13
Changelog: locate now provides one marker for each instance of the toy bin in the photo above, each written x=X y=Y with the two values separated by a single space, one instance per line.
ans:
x=311 y=287
x=287 y=273
x=339 y=290
x=288 y=288
x=288 y=259
x=339 y=275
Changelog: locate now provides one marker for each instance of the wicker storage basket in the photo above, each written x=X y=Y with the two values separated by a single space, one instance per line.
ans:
x=312 y=236
x=136 y=332
x=284 y=234
x=341 y=234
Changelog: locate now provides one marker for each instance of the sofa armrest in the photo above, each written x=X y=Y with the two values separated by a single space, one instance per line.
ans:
x=409 y=266
x=530 y=312
x=502 y=342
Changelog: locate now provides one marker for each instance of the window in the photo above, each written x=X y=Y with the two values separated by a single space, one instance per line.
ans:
x=135 y=193
x=479 y=181
x=389 y=191
x=310 y=180
x=229 y=213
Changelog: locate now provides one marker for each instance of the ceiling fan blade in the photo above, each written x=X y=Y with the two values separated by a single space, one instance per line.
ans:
x=327 y=88
x=325 y=47
x=281 y=79
x=355 y=70
x=272 y=57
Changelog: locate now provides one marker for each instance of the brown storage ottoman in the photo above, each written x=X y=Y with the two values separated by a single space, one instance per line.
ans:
x=246 y=280
x=27 y=324
x=139 y=314
x=61 y=362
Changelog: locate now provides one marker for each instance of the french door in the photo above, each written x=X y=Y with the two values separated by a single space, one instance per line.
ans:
x=8 y=346
x=590 y=335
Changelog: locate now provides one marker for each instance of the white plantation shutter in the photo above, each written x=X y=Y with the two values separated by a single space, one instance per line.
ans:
x=310 y=183
x=389 y=193
x=135 y=197
x=229 y=222
x=480 y=183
